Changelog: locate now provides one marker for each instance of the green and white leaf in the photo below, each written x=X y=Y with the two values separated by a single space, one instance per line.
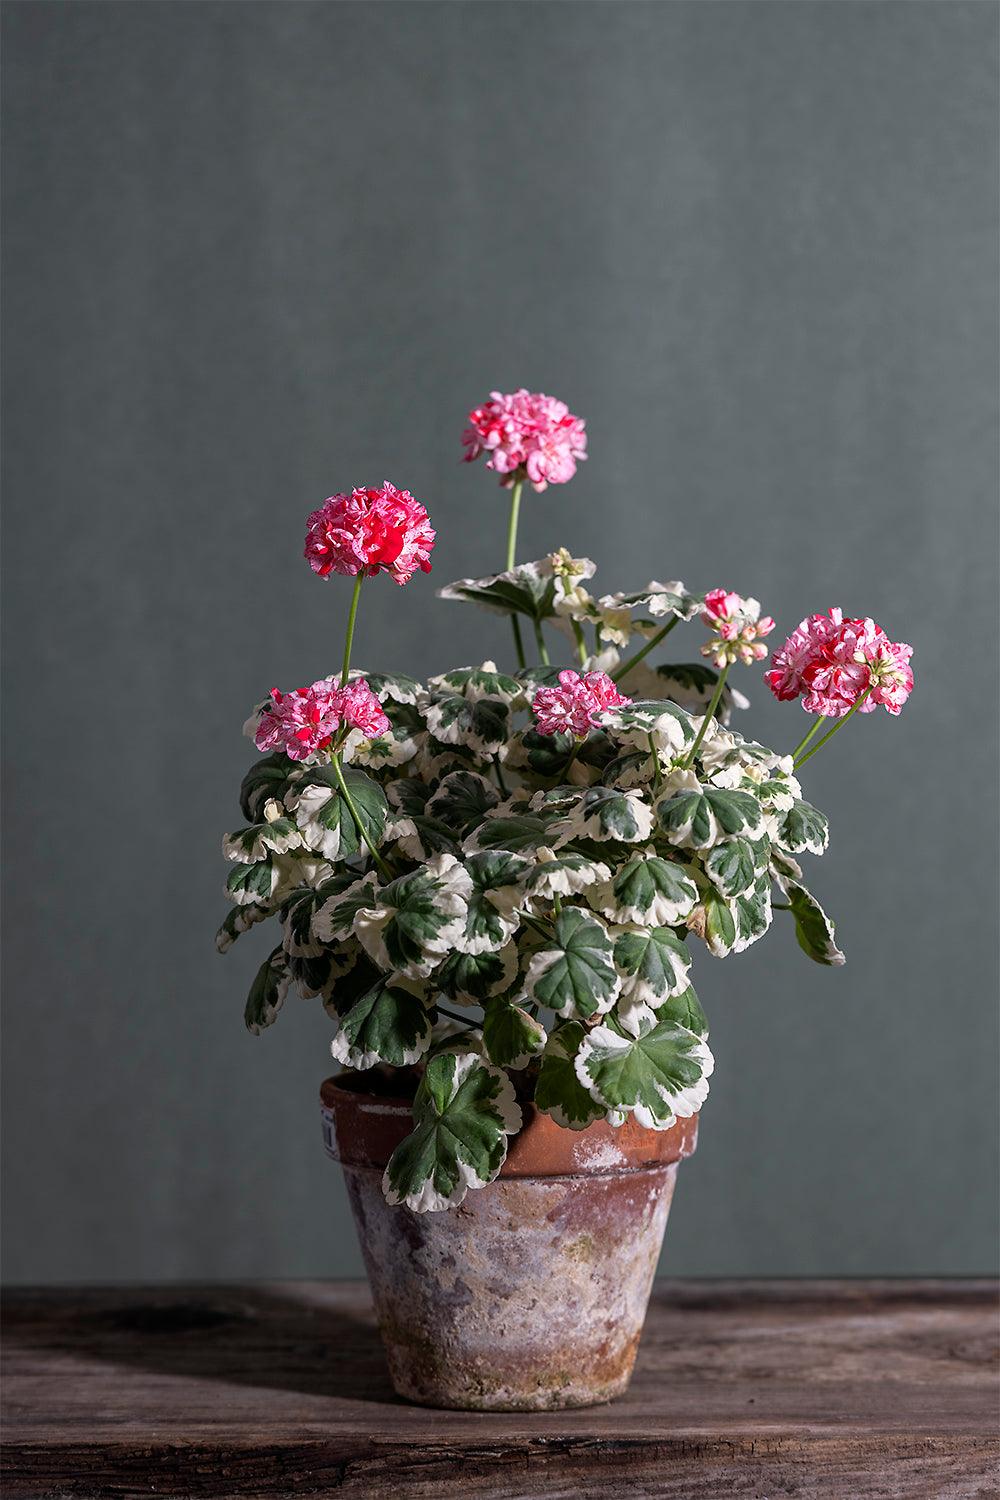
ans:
x=653 y=963
x=250 y=845
x=497 y=883
x=334 y=920
x=658 y=600
x=238 y=919
x=648 y=890
x=524 y=831
x=417 y=918
x=266 y=779
x=654 y=1069
x=688 y=684
x=603 y=813
x=267 y=993
x=562 y=873
x=478 y=724
x=420 y=837
x=324 y=819
x=463 y=1112
x=696 y=816
x=395 y=687
x=297 y=914
x=753 y=913
x=815 y=931
x=574 y=972
x=684 y=1010
x=480 y=682
x=804 y=828
x=732 y=867
x=511 y=1036
x=714 y=921
x=669 y=727
x=529 y=589
x=472 y=978
x=388 y=1024
x=558 y=1091
x=317 y=974
x=462 y=800
x=249 y=885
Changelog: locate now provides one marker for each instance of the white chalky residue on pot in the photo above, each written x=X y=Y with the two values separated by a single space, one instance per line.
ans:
x=595 y=1154
x=531 y=1295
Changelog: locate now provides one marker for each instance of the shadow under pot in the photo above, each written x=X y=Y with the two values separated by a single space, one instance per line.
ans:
x=531 y=1295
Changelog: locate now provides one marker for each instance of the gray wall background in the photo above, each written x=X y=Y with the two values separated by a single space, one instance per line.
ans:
x=259 y=252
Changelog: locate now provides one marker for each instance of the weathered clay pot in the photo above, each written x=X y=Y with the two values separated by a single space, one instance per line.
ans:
x=530 y=1295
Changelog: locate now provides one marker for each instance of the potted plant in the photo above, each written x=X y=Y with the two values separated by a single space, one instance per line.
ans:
x=492 y=881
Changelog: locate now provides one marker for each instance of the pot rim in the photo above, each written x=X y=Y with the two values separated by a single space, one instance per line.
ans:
x=362 y=1129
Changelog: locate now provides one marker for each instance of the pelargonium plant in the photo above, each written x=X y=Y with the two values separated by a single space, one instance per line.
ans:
x=493 y=879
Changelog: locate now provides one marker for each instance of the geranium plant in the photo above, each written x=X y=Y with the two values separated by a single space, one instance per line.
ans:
x=492 y=880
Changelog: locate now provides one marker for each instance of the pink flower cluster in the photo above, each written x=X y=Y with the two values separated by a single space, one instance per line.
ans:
x=527 y=433
x=308 y=719
x=832 y=662
x=738 y=625
x=575 y=705
x=370 y=530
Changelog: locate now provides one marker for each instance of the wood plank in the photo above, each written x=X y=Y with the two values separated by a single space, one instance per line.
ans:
x=867 y=1390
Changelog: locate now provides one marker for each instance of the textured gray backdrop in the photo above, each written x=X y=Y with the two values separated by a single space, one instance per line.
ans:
x=259 y=252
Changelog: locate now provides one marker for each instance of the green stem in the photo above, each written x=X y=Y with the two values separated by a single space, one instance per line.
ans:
x=515 y=510
x=352 y=616
x=465 y=1021
x=803 y=742
x=376 y=856
x=831 y=732
x=581 y=641
x=556 y=903
x=577 y=747
x=709 y=715
x=626 y=666
x=499 y=775
x=657 y=773
x=540 y=643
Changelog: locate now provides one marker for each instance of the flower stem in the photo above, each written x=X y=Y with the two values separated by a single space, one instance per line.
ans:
x=465 y=1021
x=657 y=773
x=581 y=641
x=654 y=640
x=515 y=509
x=352 y=616
x=709 y=715
x=803 y=742
x=831 y=732
x=376 y=856
x=540 y=643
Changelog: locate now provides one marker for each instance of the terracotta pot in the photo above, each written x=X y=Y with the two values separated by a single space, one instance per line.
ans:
x=531 y=1295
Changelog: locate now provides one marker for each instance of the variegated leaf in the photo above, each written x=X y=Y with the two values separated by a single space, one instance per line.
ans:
x=605 y=813
x=463 y=1112
x=574 y=972
x=647 y=889
x=653 y=963
x=388 y=1024
x=471 y=978
x=511 y=1036
x=417 y=918
x=696 y=817
x=558 y=1091
x=815 y=932
x=267 y=993
x=654 y=1069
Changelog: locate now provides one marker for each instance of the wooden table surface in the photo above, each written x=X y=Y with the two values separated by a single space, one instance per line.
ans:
x=846 y=1389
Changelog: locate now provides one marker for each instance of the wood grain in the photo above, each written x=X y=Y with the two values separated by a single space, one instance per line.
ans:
x=819 y=1390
